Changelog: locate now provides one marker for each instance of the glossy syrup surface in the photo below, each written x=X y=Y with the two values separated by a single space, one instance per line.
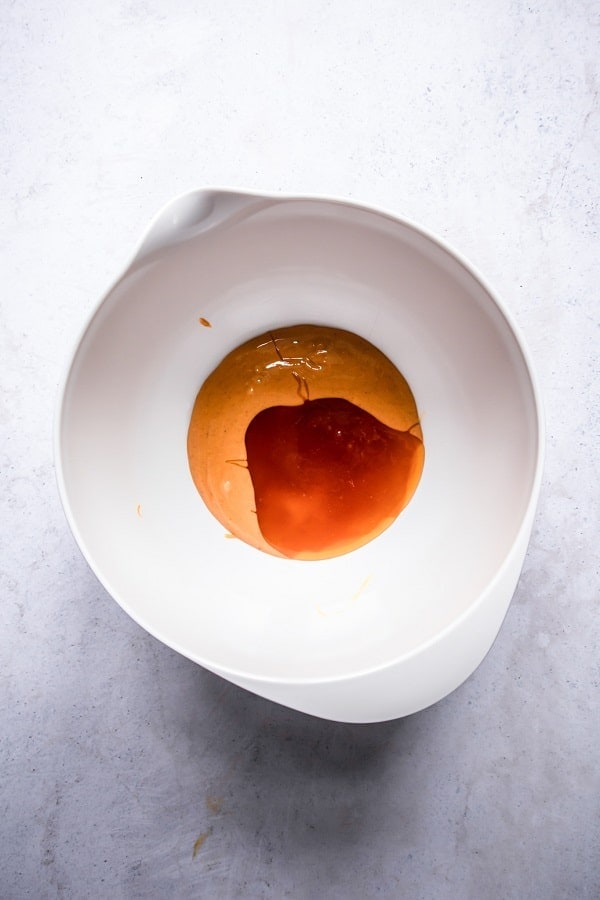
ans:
x=305 y=442
x=327 y=473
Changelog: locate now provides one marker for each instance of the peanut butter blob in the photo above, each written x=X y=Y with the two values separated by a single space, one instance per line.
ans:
x=305 y=442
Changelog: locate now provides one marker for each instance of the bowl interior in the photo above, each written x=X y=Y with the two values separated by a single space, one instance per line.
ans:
x=125 y=413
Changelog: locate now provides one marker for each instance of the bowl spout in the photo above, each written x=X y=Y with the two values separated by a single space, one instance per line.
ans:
x=193 y=213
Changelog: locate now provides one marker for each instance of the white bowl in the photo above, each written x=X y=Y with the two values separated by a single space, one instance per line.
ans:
x=380 y=632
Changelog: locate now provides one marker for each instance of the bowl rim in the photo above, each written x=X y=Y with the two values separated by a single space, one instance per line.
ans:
x=522 y=533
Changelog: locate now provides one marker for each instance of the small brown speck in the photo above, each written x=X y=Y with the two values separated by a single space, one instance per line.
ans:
x=214 y=804
x=229 y=536
x=138 y=510
x=204 y=322
x=199 y=841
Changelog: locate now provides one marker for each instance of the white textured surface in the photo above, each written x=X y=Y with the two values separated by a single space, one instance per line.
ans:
x=482 y=122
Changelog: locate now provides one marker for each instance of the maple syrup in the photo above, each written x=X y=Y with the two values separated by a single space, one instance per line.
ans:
x=305 y=442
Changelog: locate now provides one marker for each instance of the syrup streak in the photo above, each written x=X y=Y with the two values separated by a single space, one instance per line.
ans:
x=302 y=389
x=242 y=463
x=344 y=606
x=290 y=362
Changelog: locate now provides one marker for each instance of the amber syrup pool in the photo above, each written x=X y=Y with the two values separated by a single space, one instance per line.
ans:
x=306 y=442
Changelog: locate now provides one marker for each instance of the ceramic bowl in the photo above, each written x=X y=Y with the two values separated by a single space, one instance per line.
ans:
x=375 y=634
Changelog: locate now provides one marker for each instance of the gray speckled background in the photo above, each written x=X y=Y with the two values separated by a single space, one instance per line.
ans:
x=127 y=771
